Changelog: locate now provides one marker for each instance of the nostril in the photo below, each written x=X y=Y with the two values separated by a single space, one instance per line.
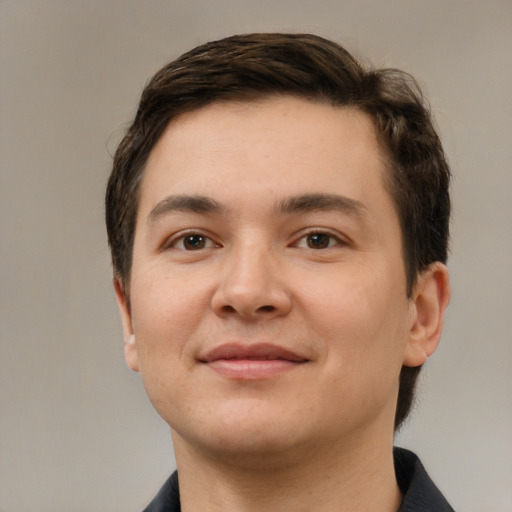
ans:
x=267 y=308
x=230 y=309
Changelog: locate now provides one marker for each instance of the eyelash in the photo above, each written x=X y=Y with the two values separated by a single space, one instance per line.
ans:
x=323 y=233
x=175 y=241
x=208 y=243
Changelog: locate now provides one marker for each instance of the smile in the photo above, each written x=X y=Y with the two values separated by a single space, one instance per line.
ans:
x=261 y=361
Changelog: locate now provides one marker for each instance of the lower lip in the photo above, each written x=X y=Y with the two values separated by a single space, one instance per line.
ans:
x=251 y=369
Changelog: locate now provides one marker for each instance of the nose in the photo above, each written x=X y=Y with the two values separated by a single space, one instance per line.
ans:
x=251 y=286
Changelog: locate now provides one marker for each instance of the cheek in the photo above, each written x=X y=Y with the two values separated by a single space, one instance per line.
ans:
x=358 y=323
x=166 y=312
x=360 y=316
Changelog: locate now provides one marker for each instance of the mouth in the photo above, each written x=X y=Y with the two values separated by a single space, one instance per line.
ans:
x=253 y=362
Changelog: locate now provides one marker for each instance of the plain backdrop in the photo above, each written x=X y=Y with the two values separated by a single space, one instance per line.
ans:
x=76 y=430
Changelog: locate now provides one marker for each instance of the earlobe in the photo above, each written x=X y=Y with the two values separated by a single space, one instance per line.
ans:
x=130 y=347
x=431 y=296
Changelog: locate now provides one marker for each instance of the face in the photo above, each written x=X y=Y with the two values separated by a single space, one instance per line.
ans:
x=268 y=295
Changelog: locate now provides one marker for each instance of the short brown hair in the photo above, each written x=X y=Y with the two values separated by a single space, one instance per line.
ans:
x=254 y=66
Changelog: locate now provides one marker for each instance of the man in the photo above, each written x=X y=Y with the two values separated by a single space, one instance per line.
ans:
x=278 y=219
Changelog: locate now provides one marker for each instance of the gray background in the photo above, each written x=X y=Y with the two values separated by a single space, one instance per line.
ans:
x=76 y=431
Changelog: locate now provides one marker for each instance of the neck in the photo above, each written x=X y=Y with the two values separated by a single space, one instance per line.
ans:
x=339 y=478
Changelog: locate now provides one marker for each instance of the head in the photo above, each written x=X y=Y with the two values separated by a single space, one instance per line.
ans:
x=253 y=67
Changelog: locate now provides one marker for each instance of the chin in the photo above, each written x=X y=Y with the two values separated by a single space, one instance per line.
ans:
x=246 y=432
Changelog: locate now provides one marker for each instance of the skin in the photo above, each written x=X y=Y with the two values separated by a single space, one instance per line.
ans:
x=253 y=263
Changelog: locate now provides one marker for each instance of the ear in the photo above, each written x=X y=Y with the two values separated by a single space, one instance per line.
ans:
x=130 y=347
x=431 y=296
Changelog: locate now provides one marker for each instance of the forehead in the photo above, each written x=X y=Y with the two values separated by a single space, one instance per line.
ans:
x=279 y=117
x=278 y=143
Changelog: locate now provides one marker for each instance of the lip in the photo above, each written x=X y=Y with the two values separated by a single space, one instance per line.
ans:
x=251 y=362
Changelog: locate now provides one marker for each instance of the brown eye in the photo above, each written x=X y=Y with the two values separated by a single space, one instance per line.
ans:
x=194 y=242
x=318 y=241
x=191 y=241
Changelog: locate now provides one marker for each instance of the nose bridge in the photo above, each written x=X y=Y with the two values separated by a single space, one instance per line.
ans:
x=250 y=284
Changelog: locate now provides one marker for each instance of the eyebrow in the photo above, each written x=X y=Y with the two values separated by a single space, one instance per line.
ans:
x=321 y=202
x=185 y=203
x=295 y=204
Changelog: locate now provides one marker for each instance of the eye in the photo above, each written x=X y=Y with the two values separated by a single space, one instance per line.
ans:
x=318 y=240
x=192 y=242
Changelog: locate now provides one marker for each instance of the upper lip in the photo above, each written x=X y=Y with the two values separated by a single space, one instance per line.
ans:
x=258 y=351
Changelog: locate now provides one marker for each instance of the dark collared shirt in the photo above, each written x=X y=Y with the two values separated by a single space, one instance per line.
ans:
x=420 y=493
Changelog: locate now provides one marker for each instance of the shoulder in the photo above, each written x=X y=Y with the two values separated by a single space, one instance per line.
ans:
x=420 y=492
x=168 y=497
